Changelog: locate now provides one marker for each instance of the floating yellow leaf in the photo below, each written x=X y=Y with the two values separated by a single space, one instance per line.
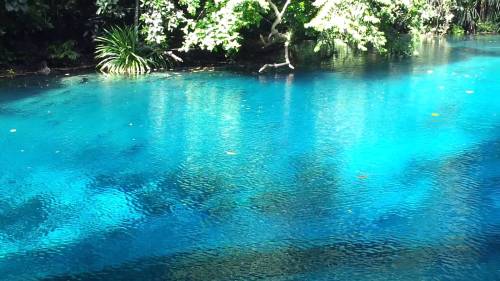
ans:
x=434 y=114
x=362 y=177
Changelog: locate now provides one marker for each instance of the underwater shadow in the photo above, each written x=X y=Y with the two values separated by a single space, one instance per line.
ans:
x=299 y=258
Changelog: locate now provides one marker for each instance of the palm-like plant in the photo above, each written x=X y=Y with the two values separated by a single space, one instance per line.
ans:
x=119 y=52
x=470 y=13
x=490 y=9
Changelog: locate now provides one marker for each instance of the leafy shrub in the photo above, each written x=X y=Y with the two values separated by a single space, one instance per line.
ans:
x=457 y=30
x=389 y=27
x=488 y=27
x=436 y=15
x=119 y=52
x=63 y=51
x=158 y=57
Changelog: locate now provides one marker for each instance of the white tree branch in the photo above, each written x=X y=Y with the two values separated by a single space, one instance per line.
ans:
x=277 y=65
x=275 y=36
x=173 y=56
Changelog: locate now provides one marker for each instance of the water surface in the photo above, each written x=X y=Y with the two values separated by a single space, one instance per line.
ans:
x=372 y=170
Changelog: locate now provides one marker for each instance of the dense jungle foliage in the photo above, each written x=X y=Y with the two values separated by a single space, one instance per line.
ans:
x=135 y=36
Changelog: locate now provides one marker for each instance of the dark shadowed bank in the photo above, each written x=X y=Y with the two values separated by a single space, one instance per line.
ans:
x=42 y=37
x=250 y=59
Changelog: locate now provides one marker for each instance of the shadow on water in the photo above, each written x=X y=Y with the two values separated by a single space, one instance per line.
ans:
x=309 y=193
x=21 y=220
x=464 y=187
x=299 y=258
x=9 y=112
x=122 y=182
x=28 y=86
x=315 y=185
x=148 y=198
x=22 y=87
x=472 y=162
x=202 y=191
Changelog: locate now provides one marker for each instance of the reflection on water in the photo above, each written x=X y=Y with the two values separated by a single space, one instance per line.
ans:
x=377 y=170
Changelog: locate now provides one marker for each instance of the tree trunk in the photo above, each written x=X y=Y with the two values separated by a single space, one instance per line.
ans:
x=482 y=10
x=136 y=17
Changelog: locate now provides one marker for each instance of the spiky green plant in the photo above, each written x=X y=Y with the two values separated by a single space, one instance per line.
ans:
x=119 y=52
x=470 y=13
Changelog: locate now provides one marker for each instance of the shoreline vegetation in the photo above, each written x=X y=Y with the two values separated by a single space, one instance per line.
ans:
x=140 y=36
x=193 y=66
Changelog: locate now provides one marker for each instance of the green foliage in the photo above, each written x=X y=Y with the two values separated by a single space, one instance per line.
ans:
x=387 y=26
x=106 y=6
x=298 y=14
x=119 y=52
x=457 y=30
x=488 y=27
x=467 y=15
x=16 y=5
x=437 y=15
x=391 y=27
x=63 y=51
x=157 y=57
x=28 y=16
x=351 y=22
x=215 y=25
x=222 y=24
x=471 y=14
x=401 y=22
x=29 y=27
x=113 y=9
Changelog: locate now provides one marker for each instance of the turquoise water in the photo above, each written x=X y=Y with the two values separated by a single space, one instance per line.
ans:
x=372 y=170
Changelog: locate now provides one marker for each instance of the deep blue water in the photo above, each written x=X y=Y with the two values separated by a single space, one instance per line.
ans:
x=370 y=170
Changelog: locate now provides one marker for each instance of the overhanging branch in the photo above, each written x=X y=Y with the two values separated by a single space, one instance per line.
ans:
x=277 y=65
x=277 y=37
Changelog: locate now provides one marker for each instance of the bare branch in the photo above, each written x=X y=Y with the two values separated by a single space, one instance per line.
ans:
x=277 y=65
x=279 y=17
x=174 y=56
x=277 y=37
x=274 y=65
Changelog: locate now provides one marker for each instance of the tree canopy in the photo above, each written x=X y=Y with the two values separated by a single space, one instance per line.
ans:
x=175 y=27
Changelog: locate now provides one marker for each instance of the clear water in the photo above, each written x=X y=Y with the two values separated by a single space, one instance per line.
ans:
x=373 y=171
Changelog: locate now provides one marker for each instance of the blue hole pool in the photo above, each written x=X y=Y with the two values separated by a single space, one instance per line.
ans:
x=370 y=170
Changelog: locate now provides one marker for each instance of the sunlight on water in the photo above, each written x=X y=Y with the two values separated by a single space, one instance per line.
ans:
x=370 y=170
